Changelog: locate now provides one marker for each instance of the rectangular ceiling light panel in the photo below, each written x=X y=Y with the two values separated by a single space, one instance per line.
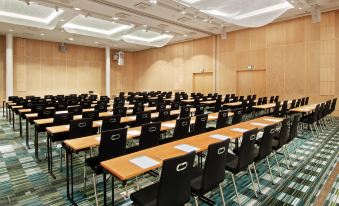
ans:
x=90 y=26
x=34 y=15
x=147 y=38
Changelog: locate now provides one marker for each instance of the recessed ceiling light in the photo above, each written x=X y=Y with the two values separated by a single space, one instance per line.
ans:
x=205 y=20
x=115 y=18
x=96 y=42
x=153 y=1
x=183 y=12
x=77 y=9
x=11 y=30
x=42 y=34
x=185 y=35
x=62 y=19
x=167 y=31
x=300 y=8
x=71 y=39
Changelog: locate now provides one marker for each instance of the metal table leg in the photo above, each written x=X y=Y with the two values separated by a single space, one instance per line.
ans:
x=104 y=179
x=36 y=142
x=13 y=113
x=27 y=133
x=20 y=122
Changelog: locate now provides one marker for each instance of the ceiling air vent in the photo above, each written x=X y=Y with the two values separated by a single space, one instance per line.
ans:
x=142 y=6
x=191 y=33
x=184 y=19
x=163 y=26
x=122 y=15
x=212 y=28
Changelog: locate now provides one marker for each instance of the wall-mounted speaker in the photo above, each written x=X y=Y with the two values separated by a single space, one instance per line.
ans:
x=316 y=14
x=119 y=57
x=63 y=48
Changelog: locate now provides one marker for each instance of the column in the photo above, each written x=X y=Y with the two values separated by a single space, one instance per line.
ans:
x=9 y=65
x=108 y=72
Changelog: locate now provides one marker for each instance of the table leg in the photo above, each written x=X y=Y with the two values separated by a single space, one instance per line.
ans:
x=36 y=142
x=6 y=110
x=20 y=121
x=112 y=190
x=51 y=160
x=9 y=115
x=27 y=134
x=67 y=173
x=3 y=108
x=104 y=179
x=13 y=113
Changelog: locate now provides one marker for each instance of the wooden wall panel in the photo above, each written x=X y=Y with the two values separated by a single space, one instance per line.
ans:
x=295 y=31
x=275 y=70
x=2 y=68
x=39 y=68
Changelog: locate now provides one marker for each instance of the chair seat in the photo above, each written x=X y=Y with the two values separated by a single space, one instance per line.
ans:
x=94 y=164
x=196 y=180
x=275 y=144
x=307 y=119
x=146 y=196
x=232 y=163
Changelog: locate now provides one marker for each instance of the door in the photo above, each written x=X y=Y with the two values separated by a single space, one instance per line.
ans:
x=251 y=82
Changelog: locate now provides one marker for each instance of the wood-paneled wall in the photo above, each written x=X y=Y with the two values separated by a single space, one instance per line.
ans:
x=40 y=68
x=122 y=77
x=172 y=67
x=2 y=68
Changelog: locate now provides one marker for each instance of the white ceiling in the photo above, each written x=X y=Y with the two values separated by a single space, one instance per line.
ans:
x=166 y=17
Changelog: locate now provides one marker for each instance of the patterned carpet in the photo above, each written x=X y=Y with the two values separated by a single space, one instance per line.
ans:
x=23 y=181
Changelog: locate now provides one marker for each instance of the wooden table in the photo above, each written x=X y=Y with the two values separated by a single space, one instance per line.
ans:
x=123 y=169
x=305 y=108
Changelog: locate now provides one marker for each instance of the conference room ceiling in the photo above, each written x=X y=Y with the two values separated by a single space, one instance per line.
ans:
x=113 y=23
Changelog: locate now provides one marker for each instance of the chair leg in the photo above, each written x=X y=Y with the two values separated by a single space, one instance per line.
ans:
x=254 y=190
x=196 y=200
x=295 y=150
x=95 y=190
x=85 y=174
x=256 y=175
x=222 y=195
x=288 y=155
x=285 y=157
x=60 y=159
x=277 y=162
x=269 y=168
x=235 y=188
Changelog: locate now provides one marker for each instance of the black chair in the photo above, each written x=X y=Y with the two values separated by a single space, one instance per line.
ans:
x=221 y=121
x=80 y=128
x=61 y=106
x=199 y=109
x=160 y=106
x=294 y=133
x=122 y=111
x=213 y=174
x=280 y=142
x=94 y=115
x=306 y=100
x=149 y=137
x=311 y=120
x=138 y=109
x=174 y=187
x=164 y=115
x=276 y=99
x=101 y=107
x=46 y=113
x=74 y=110
x=109 y=139
x=272 y=99
x=175 y=105
x=283 y=110
x=181 y=130
x=142 y=118
x=264 y=100
x=236 y=163
x=200 y=124
x=276 y=110
x=110 y=122
x=237 y=117
x=265 y=148
x=185 y=111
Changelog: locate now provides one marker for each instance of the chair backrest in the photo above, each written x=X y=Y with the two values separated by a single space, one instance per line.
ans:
x=94 y=115
x=264 y=100
x=101 y=107
x=276 y=109
x=276 y=99
x=222 y=119
x=272 y=99
x=265 y=148
x=259 y=101
x=110 y=122
x=294 y=128
x=38 y=107
x=237 y=117
x=122 y=111
x=235 y=99
x=164 y=115
x=175 y=105
x=241 y=98
x=302 y=103
x=306 y=100
x=199 y=109
x=283 y=134
x=298 y=103
x=246 y=150
x=293 y=104
x=142 y=118
x=61 y=119
x=46 y=113
x=320 y=112
x=161 y=106
x=80 y=128
x=86 y=104
x=184 y=111
x=150 y=135
x=74 y=110
x=200 y=123
x=112 y=139
x=138 y=109
x=214 y=169
x=181 y=128
x=284 y=108
x=175 y=181
x=61 y=106
x=334 y=102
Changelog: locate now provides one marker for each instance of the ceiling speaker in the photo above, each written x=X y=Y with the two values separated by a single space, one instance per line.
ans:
x=224 y=33
x=316 y=15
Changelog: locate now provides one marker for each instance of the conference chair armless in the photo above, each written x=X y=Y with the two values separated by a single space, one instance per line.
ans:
x=181 y=130
x=174 y=187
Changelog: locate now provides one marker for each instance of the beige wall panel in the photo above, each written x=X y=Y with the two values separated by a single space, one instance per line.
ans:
x=337 y=24
x=337 y=67
x=295 y=31
x=46 y=49
x=47 y=76
x=226 y=74
x=33 y=75
x=258 y=58
x=295 y=69
x=72 y=76
x=275 y=34
x=33 y=48
x=258 y=83
x=20 y=73
x=59 y=78
x=2 y=68
x=72 y=54
x=242 y=40
x=228 y=44
x=275 y=70
x=203 y=82
x=313 y=68
x=243 y=59
x=258 y=38
x=312 y=30
x=244 y=82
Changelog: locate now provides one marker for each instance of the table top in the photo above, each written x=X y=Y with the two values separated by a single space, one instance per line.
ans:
x=122 y=168
x=305 y=108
